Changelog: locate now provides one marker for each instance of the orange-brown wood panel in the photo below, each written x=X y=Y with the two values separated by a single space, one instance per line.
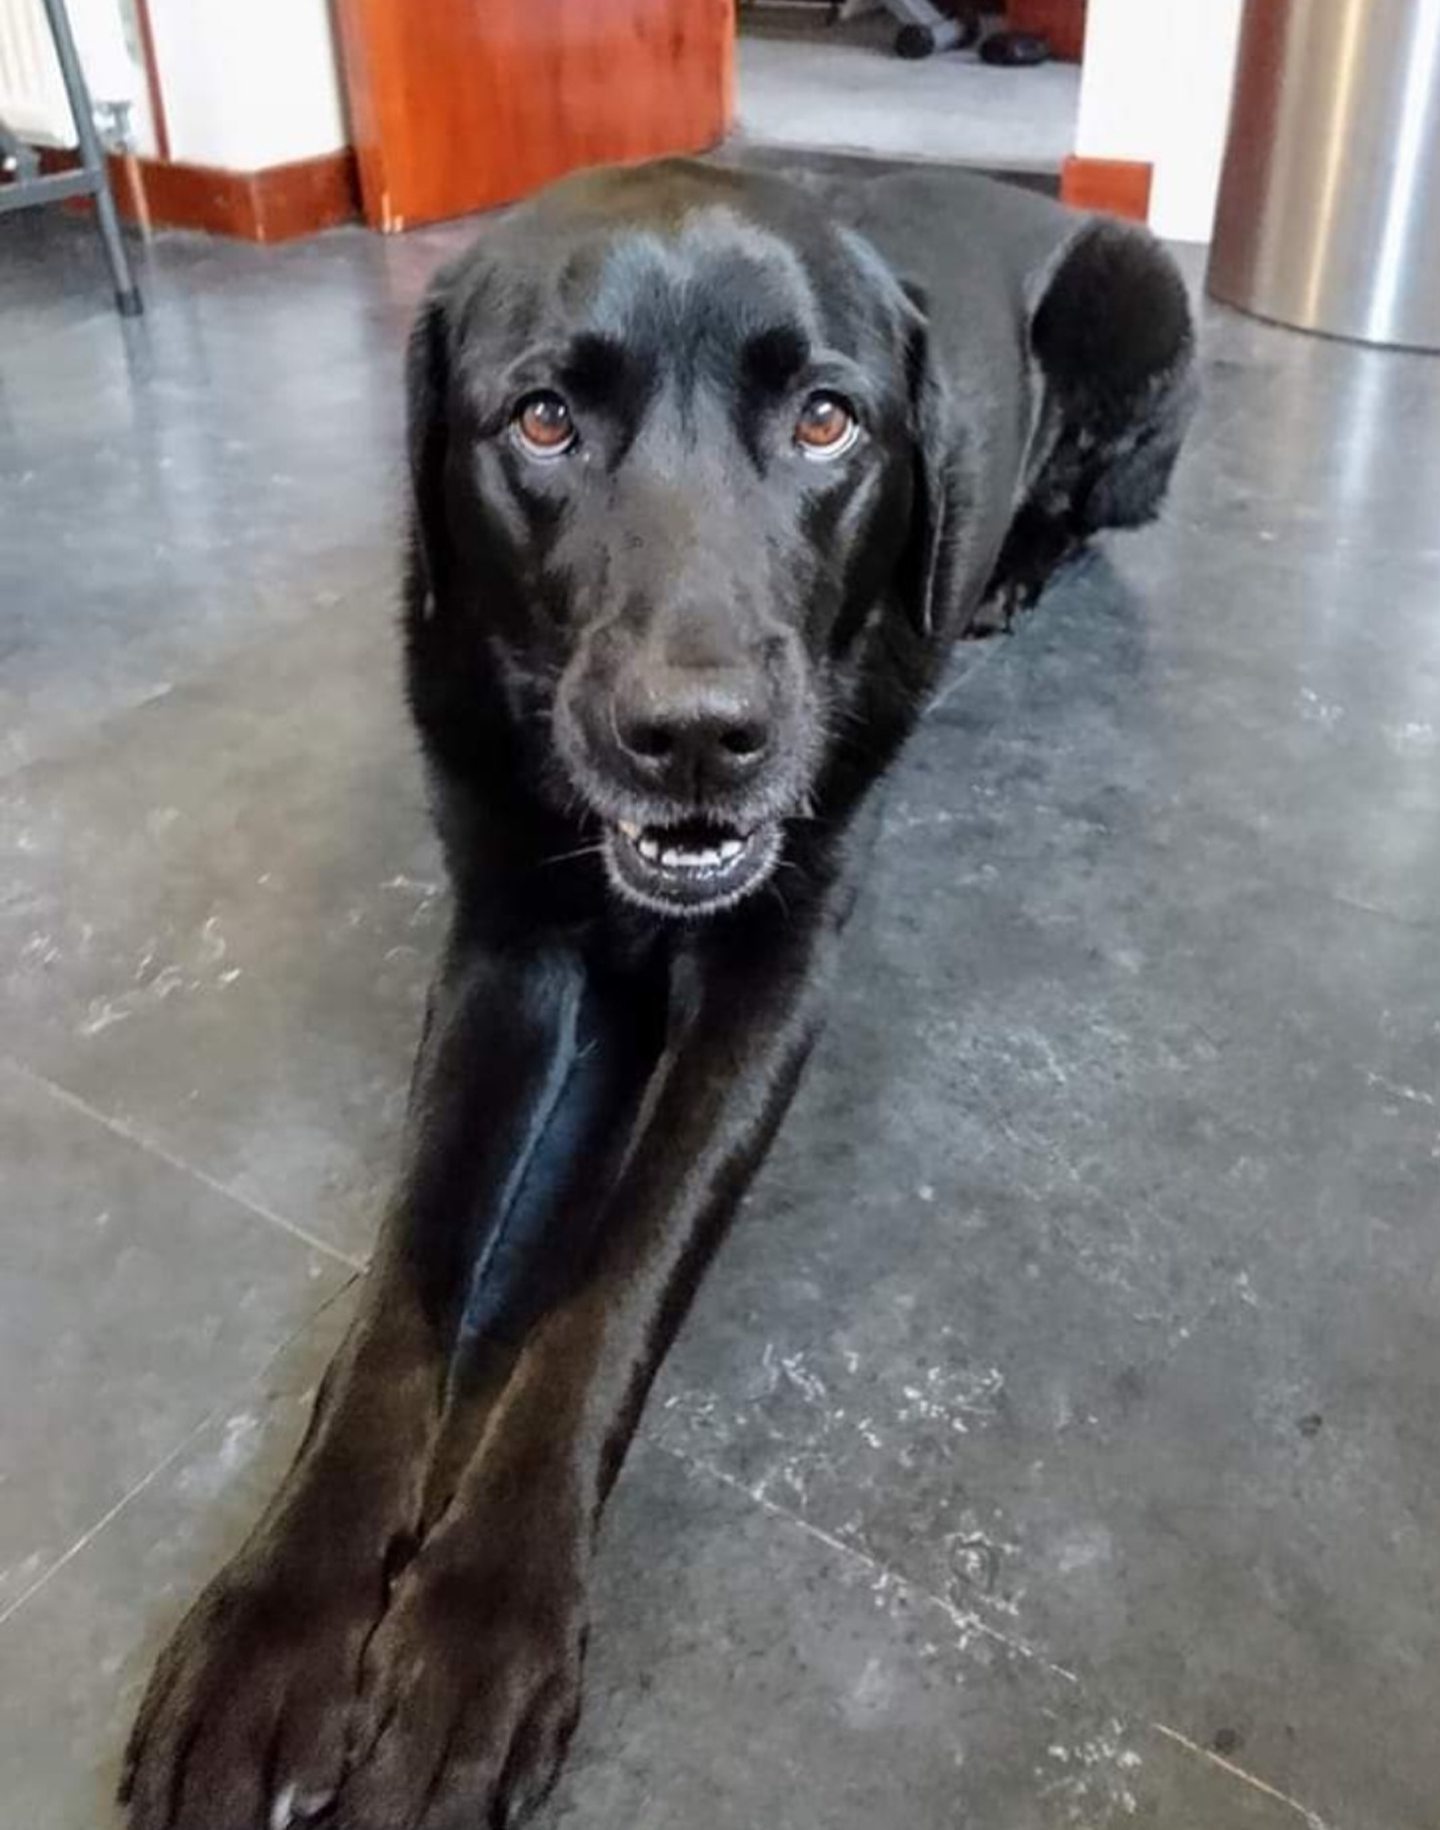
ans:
x=1118 y=187
x=275 y=203
x=456 y=105
x=1062 y=22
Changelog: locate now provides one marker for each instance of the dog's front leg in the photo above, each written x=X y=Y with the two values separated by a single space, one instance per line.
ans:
x=472 y=1684
x=250 y=1713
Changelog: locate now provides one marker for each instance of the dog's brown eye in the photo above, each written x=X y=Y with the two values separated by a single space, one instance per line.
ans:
x=544 y=426
x=827 y=426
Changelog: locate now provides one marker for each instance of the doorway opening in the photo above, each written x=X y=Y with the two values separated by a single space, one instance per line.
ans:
x=827 y=75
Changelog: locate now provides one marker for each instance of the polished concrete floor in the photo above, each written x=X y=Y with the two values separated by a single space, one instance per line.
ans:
x=1056 y=1444
x=806 y=83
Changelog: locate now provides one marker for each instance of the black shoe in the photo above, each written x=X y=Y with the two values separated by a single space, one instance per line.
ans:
x=1015 y=50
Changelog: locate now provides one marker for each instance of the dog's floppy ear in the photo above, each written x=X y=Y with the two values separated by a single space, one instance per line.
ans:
x=427 y=419
x=929 y=565
x=927 y=569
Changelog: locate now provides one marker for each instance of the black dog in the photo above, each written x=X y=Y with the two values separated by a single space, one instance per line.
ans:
x=703 y=495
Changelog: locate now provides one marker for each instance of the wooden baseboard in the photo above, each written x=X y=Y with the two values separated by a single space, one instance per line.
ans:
x=276 y=203
x=1118 y=187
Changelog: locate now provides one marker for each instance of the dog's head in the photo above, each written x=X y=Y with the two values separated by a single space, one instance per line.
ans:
x=676 y=456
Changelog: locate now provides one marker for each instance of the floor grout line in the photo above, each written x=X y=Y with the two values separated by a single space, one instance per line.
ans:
x=1414 y=924
x=254 y=1380
x=83 y=733
x=990 y=646
x=1313 y=1820
x=92 y=1532
x=965 y=1623
x=968 y=1623
x=118 y=1128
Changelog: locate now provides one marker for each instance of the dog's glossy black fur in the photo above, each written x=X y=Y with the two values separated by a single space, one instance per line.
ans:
x=703 y=495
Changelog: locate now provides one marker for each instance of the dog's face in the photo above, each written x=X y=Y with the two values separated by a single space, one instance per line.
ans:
x=676 y=487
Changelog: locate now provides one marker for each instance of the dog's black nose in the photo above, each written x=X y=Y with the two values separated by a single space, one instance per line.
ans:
x=693 y=729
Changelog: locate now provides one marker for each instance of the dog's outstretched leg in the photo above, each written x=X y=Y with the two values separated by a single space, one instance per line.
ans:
x=472 y=1680
x=250 y=1717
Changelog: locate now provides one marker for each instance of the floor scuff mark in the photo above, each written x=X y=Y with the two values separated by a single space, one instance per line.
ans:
x=1311 y=1819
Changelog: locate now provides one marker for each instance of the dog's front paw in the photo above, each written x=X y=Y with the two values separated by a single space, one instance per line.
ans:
x=472 y=1691
x=250 y=1708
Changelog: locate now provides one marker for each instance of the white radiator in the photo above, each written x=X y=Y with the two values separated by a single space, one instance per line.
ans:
x=33 y=104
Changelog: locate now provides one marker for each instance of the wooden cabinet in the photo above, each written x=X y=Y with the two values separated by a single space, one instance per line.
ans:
x=456 y=105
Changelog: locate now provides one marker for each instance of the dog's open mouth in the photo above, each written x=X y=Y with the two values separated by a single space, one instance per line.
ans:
x=693 y=867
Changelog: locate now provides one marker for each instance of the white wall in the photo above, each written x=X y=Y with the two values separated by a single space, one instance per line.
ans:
x=248 y=83
x=1155 y=86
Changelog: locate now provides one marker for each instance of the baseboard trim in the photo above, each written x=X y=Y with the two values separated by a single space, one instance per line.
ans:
x=1118 y=187
x=275 y=203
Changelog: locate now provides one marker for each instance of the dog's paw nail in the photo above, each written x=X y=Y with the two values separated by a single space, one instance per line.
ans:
x=292 y=1806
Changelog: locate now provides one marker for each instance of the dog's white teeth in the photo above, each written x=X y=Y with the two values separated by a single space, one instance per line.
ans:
x=700 y=860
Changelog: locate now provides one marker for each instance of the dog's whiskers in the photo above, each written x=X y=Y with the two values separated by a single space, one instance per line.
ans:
x=594 y=849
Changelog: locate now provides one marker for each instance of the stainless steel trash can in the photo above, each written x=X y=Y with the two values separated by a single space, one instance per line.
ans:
x=1329 y=210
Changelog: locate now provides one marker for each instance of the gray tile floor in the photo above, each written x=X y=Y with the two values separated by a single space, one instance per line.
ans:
x=1056 y=1444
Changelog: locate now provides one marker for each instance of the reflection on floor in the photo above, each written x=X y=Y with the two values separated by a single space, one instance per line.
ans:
x=1055 y=1444
x=841 y=88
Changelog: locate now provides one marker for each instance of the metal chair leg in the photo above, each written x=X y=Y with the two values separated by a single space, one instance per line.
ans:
x=92 y=158
x=127 y=293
